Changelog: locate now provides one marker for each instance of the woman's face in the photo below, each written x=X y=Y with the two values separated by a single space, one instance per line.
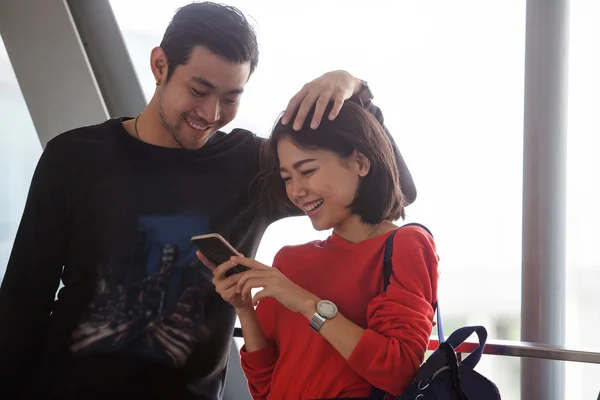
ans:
x=321 y=183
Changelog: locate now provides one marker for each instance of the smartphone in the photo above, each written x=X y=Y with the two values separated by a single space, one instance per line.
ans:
x=217 y=250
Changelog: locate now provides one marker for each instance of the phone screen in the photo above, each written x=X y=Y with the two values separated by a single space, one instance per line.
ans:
x=217 y=252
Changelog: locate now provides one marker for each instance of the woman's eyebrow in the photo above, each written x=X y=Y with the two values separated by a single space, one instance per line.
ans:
x=298 y=164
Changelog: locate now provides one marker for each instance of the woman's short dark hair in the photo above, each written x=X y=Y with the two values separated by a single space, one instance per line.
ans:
x=222 y=29
x=379 y=197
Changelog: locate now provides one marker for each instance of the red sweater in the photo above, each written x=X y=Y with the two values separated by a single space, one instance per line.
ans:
x=300 y=364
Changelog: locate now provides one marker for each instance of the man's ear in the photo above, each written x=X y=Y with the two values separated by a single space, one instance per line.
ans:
x=363 y=164
x=159 y=65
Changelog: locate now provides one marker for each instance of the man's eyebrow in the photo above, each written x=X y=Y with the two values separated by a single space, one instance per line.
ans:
x=201 y=81
x=205 y=82
x=298 y=164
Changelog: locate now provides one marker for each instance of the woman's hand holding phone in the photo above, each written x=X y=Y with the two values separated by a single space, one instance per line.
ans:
x=226 y=284
x=236 y=288
x=272 y=283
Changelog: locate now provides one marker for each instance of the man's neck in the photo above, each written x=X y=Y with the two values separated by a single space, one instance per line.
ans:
x=148 y=128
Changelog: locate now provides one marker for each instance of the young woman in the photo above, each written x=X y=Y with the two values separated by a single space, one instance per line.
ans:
x=324 y=327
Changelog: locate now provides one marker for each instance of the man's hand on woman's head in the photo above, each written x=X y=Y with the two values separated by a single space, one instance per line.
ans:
x=336 y=86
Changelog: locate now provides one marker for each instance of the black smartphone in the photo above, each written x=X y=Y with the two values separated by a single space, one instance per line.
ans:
x=217 y=250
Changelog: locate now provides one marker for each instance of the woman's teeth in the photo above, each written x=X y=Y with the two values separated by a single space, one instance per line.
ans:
x=312 y=206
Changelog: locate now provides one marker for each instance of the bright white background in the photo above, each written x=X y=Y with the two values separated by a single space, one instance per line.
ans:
x=449 y=79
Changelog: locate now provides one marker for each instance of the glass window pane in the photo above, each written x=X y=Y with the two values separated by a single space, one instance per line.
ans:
x=20 y=149
x=583 y=195
x=449 y=79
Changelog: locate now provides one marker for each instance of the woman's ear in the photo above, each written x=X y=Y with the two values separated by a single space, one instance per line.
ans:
x=363 y=164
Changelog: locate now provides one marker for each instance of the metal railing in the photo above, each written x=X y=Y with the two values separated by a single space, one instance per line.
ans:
x=527 y=350
x=516 y=349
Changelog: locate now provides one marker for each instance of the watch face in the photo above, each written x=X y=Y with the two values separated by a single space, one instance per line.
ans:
x=326 y=309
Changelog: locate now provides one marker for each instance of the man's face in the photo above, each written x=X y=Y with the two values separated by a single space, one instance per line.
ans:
x=201 y=97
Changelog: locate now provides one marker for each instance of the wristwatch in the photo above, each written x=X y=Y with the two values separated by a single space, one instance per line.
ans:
x=325 y=310
x=364 y=95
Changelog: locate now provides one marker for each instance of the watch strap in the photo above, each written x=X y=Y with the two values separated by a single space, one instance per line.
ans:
x=316 y=322
x=364 y=95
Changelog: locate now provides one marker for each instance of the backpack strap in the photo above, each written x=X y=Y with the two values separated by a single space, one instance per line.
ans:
x=387 y=272
x=389 y=248
x=376 y=393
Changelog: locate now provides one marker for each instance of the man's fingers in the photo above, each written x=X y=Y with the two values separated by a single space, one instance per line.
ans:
x=293 y=106
x=305 y=107
x=322 y=103
x=338 y=102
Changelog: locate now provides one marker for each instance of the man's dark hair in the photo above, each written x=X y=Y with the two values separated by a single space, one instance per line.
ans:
x=222 y=29
x=379 y=197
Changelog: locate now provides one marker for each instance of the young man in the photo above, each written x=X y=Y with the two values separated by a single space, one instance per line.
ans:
x=111 y=210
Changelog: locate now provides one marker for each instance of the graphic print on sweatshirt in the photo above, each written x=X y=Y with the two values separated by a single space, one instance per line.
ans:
x=152 y=305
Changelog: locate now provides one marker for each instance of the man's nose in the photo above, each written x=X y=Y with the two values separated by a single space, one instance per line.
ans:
x=210 y=111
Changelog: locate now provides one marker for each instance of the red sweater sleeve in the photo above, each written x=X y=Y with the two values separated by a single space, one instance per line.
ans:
x=258 y=365
x=393 y=346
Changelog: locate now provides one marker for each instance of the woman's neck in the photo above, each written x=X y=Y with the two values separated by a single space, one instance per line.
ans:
x=354 y=230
